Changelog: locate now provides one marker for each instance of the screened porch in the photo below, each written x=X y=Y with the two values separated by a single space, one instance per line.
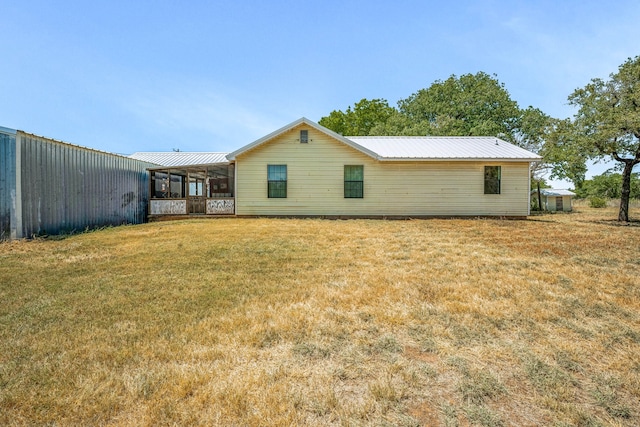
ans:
x=192 y=190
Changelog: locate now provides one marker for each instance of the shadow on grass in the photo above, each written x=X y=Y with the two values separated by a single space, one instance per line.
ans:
x=612 y=222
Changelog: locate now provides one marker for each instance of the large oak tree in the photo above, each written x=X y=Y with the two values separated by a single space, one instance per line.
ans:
x=359 y=120
x=607 y=124
x=472 y=104
x=566 y=158
x=468 y=105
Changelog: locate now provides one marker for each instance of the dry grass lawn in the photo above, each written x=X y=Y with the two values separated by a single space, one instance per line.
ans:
x=270 y=322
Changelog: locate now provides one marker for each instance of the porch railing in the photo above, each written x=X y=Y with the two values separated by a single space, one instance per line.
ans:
x=218 y=206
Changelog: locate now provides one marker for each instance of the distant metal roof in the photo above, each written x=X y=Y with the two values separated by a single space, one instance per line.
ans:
x=181 y=158
x=443 y=148
x=556 y=192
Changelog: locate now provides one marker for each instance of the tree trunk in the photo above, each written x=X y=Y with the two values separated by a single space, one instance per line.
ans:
x=623 y=215
x=539 y=198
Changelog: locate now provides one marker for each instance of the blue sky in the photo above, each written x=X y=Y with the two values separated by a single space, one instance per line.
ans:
x=126 y=76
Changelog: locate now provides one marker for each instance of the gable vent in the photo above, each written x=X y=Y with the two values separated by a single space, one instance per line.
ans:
x=304 y=136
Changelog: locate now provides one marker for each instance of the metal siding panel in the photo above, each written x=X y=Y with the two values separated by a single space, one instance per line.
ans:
x=7 y=182
x=54 y=195
x=108 y=176
x=102 y=177
x=91 y=178
x=75 y=191
x=81 y=201
x=33 y=182
x=52 y=191
x=111 y=167
x=29 y=155
x=39 y=185
x=71 y=184
x=24 y=193
x=69 y=188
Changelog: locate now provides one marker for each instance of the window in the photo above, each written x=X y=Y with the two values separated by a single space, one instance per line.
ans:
x=492 y=179
x=277 y=181
x=353 y=182
x=196 y=185
x=168 y=186
x=160 y=185
x=304 y=136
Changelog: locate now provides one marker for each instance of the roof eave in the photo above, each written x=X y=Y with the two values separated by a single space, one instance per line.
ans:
x=303 y=120
x=201 y=165
x=456 y=159
x=8 y=130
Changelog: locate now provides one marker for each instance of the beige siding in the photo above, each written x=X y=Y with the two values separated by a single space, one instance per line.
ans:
x=315 y=183
x=566 y=203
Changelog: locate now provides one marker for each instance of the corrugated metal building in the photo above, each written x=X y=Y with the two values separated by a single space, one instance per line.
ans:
x=52 y=187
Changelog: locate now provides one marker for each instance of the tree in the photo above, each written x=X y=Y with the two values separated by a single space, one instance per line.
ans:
x=565 y=157
x=361 y=119
x=608 y=122
x=469 y=105
x=473 y=104
x=533 y=126
x=530 y=135
x=609 y=185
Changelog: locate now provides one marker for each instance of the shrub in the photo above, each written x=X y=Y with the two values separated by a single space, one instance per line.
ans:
x=597 y=202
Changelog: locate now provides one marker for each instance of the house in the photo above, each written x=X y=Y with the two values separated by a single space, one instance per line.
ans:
x=555 y=200
x=304 y=169
x=52 y=187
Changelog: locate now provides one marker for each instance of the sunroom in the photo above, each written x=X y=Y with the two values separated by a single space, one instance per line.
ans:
x=190 y=183
x=192 y=190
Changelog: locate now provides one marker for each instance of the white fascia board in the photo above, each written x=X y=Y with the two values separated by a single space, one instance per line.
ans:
x=260 y=141
x=303 y=120
x=202 y=165
x=455 y=159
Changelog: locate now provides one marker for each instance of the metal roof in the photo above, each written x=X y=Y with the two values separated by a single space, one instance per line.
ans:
x=300 y=121
x=556 y=192
x=423 y=148
x=383 y=148
x=7 y=130
x=443 y=148
x=181 y=158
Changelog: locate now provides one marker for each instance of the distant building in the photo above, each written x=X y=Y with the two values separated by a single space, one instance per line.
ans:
x=554 y=200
